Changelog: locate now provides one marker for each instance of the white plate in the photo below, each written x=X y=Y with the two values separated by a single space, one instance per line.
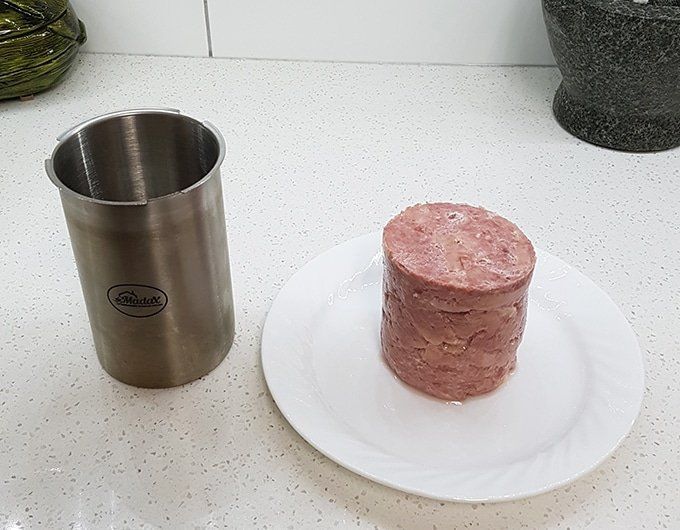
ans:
x=574 y=397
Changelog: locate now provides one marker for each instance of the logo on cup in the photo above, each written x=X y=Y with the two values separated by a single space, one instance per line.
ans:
x=136 y=300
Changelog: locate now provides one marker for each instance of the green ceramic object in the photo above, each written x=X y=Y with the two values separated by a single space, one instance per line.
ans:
x=39 y=40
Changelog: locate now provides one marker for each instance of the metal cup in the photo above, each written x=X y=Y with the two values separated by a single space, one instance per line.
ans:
x=142 y=197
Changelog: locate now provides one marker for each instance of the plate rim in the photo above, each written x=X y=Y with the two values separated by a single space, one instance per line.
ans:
x=310 y=439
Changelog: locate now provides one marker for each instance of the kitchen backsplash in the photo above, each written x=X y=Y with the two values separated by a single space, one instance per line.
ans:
x=427 y=31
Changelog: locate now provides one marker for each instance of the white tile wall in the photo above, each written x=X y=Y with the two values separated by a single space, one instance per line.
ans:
x=148 y=27
x=435 y=31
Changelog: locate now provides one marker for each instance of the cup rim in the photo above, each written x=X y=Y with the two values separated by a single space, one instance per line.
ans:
x=62 y=138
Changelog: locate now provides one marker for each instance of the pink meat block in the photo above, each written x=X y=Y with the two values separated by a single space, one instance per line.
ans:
x=455 y=298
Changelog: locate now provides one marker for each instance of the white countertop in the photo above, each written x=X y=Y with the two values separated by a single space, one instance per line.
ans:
x=318 y=153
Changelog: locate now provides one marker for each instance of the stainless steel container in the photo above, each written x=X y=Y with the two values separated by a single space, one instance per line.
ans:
x=142 y=197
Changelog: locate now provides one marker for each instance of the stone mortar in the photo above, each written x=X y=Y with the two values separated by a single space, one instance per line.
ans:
x=620 y=63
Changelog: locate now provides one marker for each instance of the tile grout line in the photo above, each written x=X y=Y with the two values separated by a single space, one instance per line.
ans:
x=207 y=27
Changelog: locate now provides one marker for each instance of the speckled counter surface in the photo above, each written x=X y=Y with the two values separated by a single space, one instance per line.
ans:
x=318 y=153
